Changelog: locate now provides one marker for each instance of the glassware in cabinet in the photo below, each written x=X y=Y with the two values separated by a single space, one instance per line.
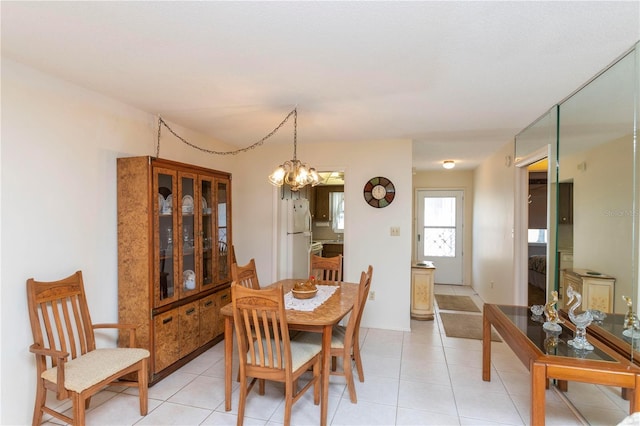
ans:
x=164 y=183
x=223 y=222
x=207 y=260
x=187 y=259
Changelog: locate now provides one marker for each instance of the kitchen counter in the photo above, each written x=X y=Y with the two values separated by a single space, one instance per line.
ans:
x=329 y=241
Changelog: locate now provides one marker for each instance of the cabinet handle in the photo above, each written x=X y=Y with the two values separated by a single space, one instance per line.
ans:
x=167 y=320
x=226 y=296
x=208 y=303
x=190 y=311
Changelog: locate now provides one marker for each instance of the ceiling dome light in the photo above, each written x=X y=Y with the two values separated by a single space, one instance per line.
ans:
x=449 y=164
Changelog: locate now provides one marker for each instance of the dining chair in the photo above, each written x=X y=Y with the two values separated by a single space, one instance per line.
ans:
x=246 y=275
x=326 y=270
x=264 y=348
x=345 y=341
x=232 y=253
x=67 y=360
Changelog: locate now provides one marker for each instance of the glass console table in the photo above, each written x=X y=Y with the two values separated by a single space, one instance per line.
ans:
x=610 y=331
x=547 y=356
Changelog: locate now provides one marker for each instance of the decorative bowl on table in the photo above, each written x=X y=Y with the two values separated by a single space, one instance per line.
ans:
x=304 y=290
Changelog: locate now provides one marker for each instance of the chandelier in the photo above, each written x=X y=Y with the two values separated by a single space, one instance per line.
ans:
x=294 y=173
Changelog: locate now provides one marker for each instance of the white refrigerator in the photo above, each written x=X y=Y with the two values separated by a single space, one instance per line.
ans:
x=295 y=238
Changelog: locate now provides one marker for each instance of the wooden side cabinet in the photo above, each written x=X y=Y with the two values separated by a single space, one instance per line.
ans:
x=422 y=282
x=565 y=258
x=174 y=235
x=596 y=290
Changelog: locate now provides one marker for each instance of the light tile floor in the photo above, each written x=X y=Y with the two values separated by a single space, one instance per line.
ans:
x=420 y=377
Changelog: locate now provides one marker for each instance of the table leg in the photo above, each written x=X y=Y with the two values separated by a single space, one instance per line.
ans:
x=486 y=348
x=228 y=364
x=634 y=397
x=538 y=381
x=326 y=372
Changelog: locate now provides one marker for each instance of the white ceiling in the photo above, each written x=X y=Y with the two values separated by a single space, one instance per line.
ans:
x=459 y=79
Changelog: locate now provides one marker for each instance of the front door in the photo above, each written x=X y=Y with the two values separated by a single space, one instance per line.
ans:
x=440 y=233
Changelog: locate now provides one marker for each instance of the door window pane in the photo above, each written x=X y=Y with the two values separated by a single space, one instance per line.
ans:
x=440 y=226
x=440 y=242
x=440 y=211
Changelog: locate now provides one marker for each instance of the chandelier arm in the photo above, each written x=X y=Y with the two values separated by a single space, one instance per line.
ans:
x=161 y=122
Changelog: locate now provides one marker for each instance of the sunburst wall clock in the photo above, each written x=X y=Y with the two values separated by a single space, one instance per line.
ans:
x=379 y=192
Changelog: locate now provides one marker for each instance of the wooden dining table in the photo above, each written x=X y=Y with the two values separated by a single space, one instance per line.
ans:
x=320 y=320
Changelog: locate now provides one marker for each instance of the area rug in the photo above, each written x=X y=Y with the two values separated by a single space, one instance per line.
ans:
x=465 y=326
x=448 y=302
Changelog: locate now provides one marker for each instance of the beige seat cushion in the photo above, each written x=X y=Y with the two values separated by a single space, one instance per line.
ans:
x=301 y=352
x=337 y=337
x=95 y=366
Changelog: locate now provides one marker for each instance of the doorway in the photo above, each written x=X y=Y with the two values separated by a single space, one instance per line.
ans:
x=440 y=233
x=537 y=232
x=534 y=199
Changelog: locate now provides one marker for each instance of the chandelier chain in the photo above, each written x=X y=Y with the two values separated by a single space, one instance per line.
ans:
x=295 y=133
x=294 y=112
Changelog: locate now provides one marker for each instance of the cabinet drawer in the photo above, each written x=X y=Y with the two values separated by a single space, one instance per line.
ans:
x=167 y=344
x=208 y=324
x=223 y=297
x=189 y=328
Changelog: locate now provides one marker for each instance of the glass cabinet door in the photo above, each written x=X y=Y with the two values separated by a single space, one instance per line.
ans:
x=223 y=222
x=165 y=224
x=188 y=230
x=206 y=243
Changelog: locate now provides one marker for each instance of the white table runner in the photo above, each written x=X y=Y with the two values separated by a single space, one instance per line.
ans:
x=324 y=292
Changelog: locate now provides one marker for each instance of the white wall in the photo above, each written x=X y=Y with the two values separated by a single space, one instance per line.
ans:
x=366 y=239
x=449 y=179
x=59 y=150
x=58 y=188
x=603 y=213
x=493 y=222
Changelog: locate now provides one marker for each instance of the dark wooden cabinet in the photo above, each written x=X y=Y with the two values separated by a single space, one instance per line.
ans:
x=538 y=206
x=565 y=203
x=332 y=249
x=174 y=234
x=321 y=205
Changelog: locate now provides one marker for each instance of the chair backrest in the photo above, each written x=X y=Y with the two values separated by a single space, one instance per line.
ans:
x=261 y=328
x=233 y=254
x=326 y=269
x=246 y=276
x=358 y=308
x=363 y=293
x=60 y=317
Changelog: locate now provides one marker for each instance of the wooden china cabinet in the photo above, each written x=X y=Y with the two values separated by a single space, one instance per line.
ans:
x=174 y=235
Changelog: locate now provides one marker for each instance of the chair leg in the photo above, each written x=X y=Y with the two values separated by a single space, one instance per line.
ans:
x=358 y=360
x=143 y=387
x=78 y=409
x=242 y=400
x=348 y=375
x=316 y=385
x=41 y=395
x=288 y=403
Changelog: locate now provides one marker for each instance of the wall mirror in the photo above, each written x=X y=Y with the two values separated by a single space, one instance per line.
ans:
x=593 y=192
x=596 y=154
x=536 y=171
